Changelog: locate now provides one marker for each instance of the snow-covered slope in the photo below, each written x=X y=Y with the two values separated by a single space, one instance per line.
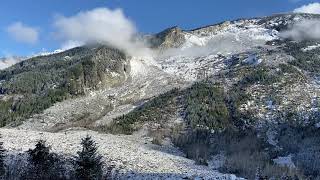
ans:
x=134 y=157
x=180 y=59
x=205 y=49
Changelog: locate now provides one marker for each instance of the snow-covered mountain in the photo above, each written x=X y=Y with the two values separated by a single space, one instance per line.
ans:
x=268 y=81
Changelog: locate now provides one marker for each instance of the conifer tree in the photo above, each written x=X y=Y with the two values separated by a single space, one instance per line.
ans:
x=88 y=163
x=39 y=160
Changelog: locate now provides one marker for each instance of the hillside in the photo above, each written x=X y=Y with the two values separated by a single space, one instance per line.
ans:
x=34 y=85
x=237 y=89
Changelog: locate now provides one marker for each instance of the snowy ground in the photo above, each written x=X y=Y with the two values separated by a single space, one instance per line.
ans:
x=135 y=156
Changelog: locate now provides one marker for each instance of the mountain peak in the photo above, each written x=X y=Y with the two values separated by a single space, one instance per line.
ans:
x=169 y=38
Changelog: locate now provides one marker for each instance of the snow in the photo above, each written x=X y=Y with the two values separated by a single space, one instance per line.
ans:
x=192 y=68
x=49 y=53
x=271 y=137
x=252 y=60
x=285 y=161
x=138 y=67
x=114 y=74
x=136 y=157
x=310 y=48
x=217 y=161
x=270 y=105
x=205 y=49
x=193 y=40
x=240 y=30
x=142 y=65
x=318 y=125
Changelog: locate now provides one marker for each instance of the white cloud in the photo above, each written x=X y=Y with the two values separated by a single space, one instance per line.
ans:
x=101 y=25
x=313 y=8
x=304 y=30
x=23 y=33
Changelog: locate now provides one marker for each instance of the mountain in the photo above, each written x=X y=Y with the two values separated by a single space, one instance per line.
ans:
x=37 y=83
x=237 y=90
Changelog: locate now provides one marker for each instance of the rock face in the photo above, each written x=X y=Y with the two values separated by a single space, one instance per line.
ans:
x=105 y=67
x=169 y=38
x=213 y=29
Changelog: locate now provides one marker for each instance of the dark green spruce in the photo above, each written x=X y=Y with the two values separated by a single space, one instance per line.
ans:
x=88 y=162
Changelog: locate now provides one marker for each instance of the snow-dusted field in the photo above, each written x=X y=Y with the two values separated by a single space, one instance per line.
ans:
x=136 y=157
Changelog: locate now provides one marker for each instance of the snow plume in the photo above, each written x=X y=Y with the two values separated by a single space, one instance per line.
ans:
x=304 y=30
x=101 y=25
x=8 y=61
x=313 y=8
x=71 y=44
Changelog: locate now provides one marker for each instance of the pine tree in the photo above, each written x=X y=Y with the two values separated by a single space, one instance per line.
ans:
x=88 y=163
x=2 y=163
x=40 y=160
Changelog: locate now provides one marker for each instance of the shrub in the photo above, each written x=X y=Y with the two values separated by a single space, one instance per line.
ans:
x=196 y=145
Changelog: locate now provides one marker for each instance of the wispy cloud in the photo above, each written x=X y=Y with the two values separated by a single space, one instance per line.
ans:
x=23 y=33
x=313 y=8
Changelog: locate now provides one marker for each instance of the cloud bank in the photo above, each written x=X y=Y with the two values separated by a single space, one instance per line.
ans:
x=101 y=25
x=304 y=30
x=313 y=8
x=23 y=33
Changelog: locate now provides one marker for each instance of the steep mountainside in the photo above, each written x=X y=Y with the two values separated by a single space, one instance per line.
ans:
x=237 y=89
x=35 y=84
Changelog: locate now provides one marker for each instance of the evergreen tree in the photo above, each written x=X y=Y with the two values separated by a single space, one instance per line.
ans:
x=43 y=165
x=88 y=163
x=2 y=163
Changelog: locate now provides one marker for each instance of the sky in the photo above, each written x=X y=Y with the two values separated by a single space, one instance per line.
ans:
x=31 y=26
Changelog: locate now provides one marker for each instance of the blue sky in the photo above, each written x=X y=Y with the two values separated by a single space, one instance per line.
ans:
x=149 y=16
